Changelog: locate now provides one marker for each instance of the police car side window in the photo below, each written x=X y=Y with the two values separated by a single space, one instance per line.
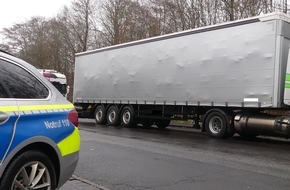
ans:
x=3 y=93
x=21 y=83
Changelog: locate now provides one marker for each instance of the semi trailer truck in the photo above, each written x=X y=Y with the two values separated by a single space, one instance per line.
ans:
x=57 y=79
x=234 y=76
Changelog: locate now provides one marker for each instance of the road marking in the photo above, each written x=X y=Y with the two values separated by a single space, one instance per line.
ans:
x=99 y=187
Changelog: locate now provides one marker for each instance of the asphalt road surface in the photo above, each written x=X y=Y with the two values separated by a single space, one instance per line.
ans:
x=119 y=158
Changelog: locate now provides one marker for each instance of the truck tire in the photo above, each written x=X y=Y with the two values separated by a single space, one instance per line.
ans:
x=100 y=115
x=248 y=136
x=113 y=116
x=162 y=123
x=146 y=122
x=216 y=124
x=128 y=117
x=25 y=165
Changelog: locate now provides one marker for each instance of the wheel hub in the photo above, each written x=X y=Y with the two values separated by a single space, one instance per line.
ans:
x=99 y=115
x=215 y=125
x=112 y=116
x=32 y=176
x=126 y=117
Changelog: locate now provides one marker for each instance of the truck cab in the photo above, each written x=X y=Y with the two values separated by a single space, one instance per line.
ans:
x=57 y=79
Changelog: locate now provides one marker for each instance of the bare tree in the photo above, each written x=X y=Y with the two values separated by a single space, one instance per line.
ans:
x=280 y=5
x=124 y=21
x=28 y=40
x=171 y=15
x=230 y=8
x=78 y=23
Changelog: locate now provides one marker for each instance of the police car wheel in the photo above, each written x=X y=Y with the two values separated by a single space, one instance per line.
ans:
x=30 y=170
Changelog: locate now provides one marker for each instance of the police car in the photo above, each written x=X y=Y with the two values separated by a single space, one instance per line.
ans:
x=39 y=139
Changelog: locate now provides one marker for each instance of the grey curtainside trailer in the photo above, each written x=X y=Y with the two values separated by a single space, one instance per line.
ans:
x=234 y=76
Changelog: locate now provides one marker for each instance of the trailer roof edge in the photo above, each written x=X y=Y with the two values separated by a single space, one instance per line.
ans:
x=274 y=16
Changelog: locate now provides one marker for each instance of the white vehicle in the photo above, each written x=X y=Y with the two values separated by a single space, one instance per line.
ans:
x=235 y=75
x=57 y=79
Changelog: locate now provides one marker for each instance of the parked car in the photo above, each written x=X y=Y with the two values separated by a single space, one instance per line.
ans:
x=39 y=138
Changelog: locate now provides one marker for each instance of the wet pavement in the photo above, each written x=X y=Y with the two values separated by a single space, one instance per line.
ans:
x=177 y=158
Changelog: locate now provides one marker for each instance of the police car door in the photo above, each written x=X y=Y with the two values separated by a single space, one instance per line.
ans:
x=8 y=118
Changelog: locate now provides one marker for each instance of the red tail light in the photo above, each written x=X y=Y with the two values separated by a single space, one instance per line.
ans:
x=200 y=118
x=73 y=116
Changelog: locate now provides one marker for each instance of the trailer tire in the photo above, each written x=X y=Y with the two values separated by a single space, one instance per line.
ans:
x=128 y=117
x=162 y=123
x=100 y=115
x=216 y=124
x=113 y=116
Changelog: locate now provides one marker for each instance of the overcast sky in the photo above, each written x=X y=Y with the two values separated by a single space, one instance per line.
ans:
x=17 y=11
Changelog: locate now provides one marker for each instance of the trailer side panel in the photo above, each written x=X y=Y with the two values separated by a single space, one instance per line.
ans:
x=230 y=66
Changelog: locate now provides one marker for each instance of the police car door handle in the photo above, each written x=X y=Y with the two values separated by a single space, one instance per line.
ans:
x=3 y=118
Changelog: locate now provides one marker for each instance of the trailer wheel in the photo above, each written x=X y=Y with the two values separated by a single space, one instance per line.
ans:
x=113 y=115
x=216 y=124
x=128 y=117
x=100 y=115
x=162 y=123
